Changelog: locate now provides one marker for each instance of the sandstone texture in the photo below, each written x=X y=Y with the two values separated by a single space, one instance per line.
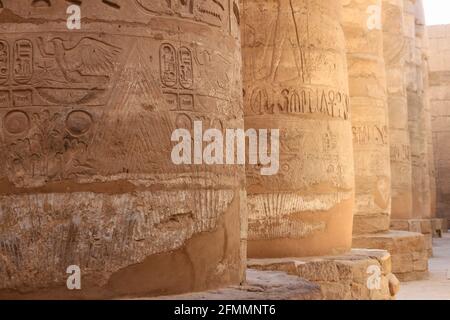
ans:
x=295 y=79
x=86 y=176
x=395 y=50
x=418 y=114
x=352 y=97
x=344 y=277
x=423 y=226
x=408 y=251
x=439 y=77
x=260 y=285
x=368 y=101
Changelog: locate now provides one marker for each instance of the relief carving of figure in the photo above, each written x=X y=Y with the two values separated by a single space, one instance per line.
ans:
x=285 y=38
x=85 y=61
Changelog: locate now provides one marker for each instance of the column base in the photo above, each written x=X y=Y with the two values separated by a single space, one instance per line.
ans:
x=423 y=226
x=408 y=250
x=435 y=226
x=439 y=226
x=446 y=224
x=341 y=277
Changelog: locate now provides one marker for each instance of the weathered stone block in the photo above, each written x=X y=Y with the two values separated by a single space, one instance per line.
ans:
x=341 y=277
x=409 y=251
x=260 y=285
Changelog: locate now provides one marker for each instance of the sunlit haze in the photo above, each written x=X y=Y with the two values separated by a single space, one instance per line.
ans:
x=437 y=11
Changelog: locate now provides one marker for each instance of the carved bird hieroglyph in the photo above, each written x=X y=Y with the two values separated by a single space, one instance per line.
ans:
x=87 y=60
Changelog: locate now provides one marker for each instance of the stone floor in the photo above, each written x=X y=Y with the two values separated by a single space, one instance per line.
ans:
x=278 y=285
x=261 y=285
x=437 y=286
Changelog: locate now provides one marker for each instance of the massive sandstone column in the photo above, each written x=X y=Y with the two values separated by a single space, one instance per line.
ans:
x=395 y=50
x=422 y=216
x=368 y=99
x=430 y=147
x=372 y=103
x=86 y=123
x=439 y=37
x=417 y=122
x=295 y=80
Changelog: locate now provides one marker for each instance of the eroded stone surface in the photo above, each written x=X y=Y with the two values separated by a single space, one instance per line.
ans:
x=86 y=176
x=368 y=99
x=418 y=112
x=423 y=226
x=408 y=251
x=295 y=80
x=439 y=76
x=395 y=50
x=261 y=285
x=340 y=277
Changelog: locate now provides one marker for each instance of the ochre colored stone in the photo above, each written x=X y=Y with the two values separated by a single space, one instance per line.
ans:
x=86 y=176
x=344 y=277
x=295 y=80
x=260 y=285
x=418 y=112
x=439 y=78
x=408 y=250
x=368 y=100
x=395 y=51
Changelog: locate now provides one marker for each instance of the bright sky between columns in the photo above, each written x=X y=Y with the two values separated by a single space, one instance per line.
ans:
x=437 y=11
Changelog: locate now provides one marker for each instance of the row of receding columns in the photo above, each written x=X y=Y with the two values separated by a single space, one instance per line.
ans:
x=344 y=82
x=438 y=37
x=288 y=58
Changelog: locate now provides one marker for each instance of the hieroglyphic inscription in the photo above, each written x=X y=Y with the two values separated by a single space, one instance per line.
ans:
x=370 y=134
x=298 y=101
x=212 y=12
x=400 y=153
x=45 y=89
x=23 y=61
x=177 y=76
x=185 y=66
x=4 y=61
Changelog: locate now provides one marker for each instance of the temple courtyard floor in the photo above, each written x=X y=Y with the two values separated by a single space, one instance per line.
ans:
x=437 y=286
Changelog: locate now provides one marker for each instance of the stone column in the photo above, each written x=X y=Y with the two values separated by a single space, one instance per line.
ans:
x=372 y=104
x=368 y=99
x=417 y=122
x=395 y=51
x=430 y=147
x=421 y=218
x=87 y=177
x=439 y=37
x=295 y=80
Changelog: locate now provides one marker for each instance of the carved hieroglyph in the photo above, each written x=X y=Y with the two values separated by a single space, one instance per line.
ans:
x=295 y=80
x=417 y=112
x=86 y=122
x=367 y=82
x=395 y=50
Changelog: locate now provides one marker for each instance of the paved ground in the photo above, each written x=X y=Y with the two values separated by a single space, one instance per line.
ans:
x=438 y=284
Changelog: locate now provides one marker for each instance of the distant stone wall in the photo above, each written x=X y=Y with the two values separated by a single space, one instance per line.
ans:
x=439 y=74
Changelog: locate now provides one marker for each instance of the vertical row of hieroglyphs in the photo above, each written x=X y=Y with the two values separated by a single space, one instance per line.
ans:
x=395 y=50
x=86 y=176
x=295 y=80
x=368 y=100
